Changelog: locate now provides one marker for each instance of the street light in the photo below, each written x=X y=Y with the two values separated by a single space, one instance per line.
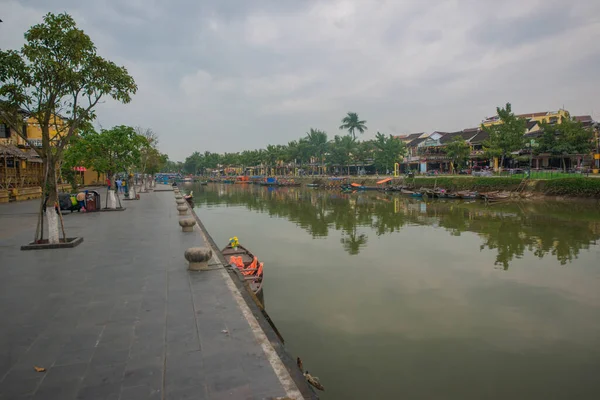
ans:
x=531 y=145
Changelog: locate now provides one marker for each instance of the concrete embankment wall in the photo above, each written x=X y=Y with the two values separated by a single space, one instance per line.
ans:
x=283 y=363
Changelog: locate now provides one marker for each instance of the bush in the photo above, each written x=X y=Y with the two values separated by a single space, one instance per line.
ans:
x=582 y=187
x=480 y=184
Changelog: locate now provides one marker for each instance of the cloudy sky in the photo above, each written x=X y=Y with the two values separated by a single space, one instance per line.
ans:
x=229 y=75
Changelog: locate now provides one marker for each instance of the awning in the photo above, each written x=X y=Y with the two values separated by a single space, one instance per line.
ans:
x=384 y=181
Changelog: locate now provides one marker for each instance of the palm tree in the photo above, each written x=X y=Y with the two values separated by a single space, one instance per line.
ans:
x=317 y=141
x=351 y=123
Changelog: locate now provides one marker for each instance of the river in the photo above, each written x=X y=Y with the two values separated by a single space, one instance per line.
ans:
x=385 y=297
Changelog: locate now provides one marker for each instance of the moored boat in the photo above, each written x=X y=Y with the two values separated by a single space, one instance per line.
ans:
x=247 y=263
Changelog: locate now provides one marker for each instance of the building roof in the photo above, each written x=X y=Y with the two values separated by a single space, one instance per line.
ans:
x=32 y=156
x=583 y=118
x=415 y=142
x=409 y=137
x=536 y=114
x=479 y=137
x=464 y=135
x=11 y=150
x=531 y=124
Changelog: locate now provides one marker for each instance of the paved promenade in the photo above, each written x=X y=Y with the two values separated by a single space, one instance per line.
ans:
x=120 y=317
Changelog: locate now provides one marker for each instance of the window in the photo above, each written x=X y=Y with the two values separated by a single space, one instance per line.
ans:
x=553 y=120
x=4 y=131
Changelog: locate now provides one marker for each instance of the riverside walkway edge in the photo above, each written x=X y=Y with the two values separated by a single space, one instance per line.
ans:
x=120 y=318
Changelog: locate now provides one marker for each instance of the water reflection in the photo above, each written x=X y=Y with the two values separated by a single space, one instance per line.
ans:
x=561 y=230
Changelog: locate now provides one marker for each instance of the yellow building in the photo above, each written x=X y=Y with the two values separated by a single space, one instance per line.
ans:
x=20 y=166
x=545 y=116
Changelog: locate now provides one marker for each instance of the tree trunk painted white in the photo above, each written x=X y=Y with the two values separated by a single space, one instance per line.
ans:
x=112 y=200
x=132 y=192
x=52 y=219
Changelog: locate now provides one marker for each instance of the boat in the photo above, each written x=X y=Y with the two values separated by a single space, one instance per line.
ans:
x=242 y=179
x=228 y=181
x=288 y=183
x=467 y=195
x=203 y=183
x=247 y=264
x=491 y=197
x=411 y=193
x=312 y=185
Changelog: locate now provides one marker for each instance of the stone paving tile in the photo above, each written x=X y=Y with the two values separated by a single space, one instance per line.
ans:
x=119 y=317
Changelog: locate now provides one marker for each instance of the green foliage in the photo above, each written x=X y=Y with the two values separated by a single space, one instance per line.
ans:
x=58 y=72
x=506 y=136
x=458 y=151
x=481 y=184
x=566 y=137
x=340 y=151
x=582 y=187
x=387 y=151
x=352 y=124
x=110 y=151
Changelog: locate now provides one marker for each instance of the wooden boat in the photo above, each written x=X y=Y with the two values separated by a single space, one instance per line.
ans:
x=288 y=184
x=411 y=193
x=250 y=267
x=467 y=195
x=495 y=196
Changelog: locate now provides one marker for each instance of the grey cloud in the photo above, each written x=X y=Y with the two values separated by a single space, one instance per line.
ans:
x=551 y=20
x=231 y=75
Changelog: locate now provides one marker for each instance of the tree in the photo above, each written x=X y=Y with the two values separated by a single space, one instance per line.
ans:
x=505 y=137
x=388 y=151
x=341 y=150
x=57 y=78
x=362 y=152
x=149 y=154
x=317 y=141
x=458 y=152
x=352 y=123
x=565 y=137
x=110 y=151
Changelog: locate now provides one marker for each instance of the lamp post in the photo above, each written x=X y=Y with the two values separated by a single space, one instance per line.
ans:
x=531 y=145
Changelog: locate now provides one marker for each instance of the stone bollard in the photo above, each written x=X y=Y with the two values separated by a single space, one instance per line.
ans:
x=180 y=201
x=187 y=224
x=198 y=258
x=182 y=209
x=178 y=196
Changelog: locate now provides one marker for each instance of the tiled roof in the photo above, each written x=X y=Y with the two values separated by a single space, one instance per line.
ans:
x=449 y=137
x=583 y=118
x=480 y=137
x=409 y=137
x=415 y=142
x=531 y=124
x=12 y=151
x=535 y=115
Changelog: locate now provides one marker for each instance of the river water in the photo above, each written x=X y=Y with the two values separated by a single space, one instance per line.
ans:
x=385 y=297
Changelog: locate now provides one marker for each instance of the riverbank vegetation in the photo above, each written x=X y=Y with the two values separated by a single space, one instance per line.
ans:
x=312 y=153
